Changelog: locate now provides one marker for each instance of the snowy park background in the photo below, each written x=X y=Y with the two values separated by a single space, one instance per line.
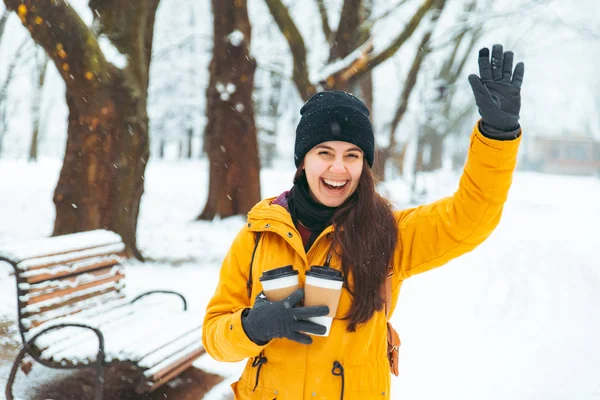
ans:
x=517 y=318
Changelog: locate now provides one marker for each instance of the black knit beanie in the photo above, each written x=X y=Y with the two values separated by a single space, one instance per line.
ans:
x=334 y=115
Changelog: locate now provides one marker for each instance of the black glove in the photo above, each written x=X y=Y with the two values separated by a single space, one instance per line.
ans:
x=498 y=91
x=280 y=319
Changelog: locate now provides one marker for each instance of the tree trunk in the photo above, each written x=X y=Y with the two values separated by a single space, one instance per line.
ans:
x=190 y=140
x=5 y=112
x=3 y=20
x=232 y=146
x=37 y=105
x=162 y=148
x=347 y=35
x=435 y=146
x=101 y=181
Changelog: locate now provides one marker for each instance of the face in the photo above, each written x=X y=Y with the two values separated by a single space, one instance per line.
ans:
x=333 y=170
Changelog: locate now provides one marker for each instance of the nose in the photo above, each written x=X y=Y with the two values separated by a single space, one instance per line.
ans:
x=337 y=166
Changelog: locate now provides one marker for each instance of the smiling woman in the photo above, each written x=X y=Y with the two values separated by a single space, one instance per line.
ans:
x=335 y=236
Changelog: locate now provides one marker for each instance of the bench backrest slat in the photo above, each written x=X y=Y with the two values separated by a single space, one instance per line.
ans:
x=61 y=259
x=84 y=301
x=63 y=282
x=65 y=275
x=80 y=283
x=67 y=270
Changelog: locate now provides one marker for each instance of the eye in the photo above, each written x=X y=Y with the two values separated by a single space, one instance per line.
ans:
x=323 y=152
x=354 y=155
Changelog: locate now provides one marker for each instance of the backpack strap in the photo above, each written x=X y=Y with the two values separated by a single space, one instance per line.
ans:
x=249 y=282
x=388 y=292
x=393 y=340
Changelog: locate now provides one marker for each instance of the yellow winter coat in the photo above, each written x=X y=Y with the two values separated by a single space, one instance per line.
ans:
x=429 y=236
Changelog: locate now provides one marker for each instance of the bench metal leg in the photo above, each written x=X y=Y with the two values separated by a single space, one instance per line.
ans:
x=98 y=365
x=13 y=373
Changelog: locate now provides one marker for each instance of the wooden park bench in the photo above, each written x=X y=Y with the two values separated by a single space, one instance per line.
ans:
x=72 y=312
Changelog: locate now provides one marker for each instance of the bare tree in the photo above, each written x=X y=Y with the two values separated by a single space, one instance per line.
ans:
x=444 y=113
x=268 y=90
x=101 y=181
x=230 y=134
x=19 y=58
x=3 y=21
x=359 y=61
x=41 y=64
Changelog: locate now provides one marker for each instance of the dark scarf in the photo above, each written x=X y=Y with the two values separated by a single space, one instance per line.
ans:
x=313 y=215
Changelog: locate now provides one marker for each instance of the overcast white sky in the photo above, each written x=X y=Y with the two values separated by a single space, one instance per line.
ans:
x=559 y=43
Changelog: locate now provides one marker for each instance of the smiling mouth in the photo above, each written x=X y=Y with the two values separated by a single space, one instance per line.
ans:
x=334 y=185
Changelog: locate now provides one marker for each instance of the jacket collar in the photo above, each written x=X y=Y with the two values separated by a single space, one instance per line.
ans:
x=266 y=216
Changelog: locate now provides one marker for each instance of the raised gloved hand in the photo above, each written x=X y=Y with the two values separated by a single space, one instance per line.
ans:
x=280 y=319
x=498 y=90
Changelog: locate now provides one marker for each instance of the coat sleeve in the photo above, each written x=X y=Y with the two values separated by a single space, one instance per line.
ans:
x=223 y=336
x=433 y=234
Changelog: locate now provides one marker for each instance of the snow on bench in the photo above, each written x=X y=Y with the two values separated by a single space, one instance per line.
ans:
x=20 y=251
x=70 y=293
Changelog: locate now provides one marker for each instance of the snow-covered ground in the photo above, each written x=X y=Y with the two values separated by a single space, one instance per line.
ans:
x=517 y=318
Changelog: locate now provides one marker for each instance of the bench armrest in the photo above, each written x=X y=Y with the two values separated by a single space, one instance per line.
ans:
x=164 y=292
x=100 y=356
x=98 y=365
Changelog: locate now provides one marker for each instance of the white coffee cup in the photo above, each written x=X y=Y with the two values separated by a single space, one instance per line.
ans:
x=279 y=283
x=323 y=287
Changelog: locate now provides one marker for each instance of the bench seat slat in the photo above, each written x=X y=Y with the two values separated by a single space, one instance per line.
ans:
x=151 y=357
x=119 y=319
x=174 y=371
x=117 y=345
x=120 y=346
x=103 y=316
x=20 y=251
x=160 y=370
x=173 y=328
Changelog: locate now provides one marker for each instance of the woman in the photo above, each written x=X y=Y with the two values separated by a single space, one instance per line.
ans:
x=332 y=215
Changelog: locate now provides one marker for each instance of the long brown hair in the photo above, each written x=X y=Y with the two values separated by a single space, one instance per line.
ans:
x=365 y=237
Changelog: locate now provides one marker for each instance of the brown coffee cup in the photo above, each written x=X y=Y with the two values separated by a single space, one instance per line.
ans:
x=279 y=283
x=323 y=287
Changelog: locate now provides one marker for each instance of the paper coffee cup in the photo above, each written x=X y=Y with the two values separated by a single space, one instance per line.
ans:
x=279 y=283
x=323 y=287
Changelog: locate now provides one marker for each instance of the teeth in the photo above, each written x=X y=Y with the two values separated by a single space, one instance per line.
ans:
x=334 y=183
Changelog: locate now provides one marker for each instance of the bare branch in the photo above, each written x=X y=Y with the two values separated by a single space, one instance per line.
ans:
x=458 y=71
x=487 y=18
x=139 y=14
x=445 y=71
x=346 y=37
x=296 y=43
x=20 y=54
x=73 y=48
x=325 y=20
x=4 y=111
x=3 y=20
x=411 y=79
x=369 y=23
x=359 y=69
